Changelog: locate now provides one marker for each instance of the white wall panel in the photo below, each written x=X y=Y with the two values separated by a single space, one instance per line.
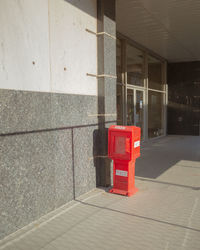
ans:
x=24 y=40
x=50 y=33
x=72 y=47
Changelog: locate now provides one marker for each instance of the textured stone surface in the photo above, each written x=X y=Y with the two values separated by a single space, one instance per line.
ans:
x=106 y=86
x=109 y=55
x=35 y=177
x=73 y=110
x=110 y=99
x=23 y=110
x=109 y=23
x=85 y=171
x=36 y=174
x=27 y=111
x=108 y=16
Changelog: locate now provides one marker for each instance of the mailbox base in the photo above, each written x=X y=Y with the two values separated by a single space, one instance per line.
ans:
x=123 y=192
x=124 y=178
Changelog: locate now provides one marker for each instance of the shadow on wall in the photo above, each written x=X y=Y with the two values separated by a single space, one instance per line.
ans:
x=160 y=155
x=100 y=155
x=85 y=6
x=82 y=5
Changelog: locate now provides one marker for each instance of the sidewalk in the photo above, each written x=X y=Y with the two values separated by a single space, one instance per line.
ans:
x=164 y=214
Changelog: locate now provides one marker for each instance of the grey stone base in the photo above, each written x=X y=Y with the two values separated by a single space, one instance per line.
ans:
x=47 y=151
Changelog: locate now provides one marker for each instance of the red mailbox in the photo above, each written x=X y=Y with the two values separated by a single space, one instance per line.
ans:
x=123 y=149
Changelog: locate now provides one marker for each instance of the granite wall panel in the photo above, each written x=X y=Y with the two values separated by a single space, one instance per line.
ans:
x=30 y=111
x=35 y=177
x=110 y=99
x=109 y=55
x=44 y=138
x=84 y=156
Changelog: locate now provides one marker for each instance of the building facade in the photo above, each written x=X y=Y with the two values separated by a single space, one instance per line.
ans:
x=55 y=104
x=68 y=70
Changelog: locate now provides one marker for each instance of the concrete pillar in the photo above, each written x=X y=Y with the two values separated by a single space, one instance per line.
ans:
x=106 y=85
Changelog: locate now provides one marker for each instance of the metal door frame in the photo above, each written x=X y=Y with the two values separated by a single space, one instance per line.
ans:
x=124 y=40
x=142 y=89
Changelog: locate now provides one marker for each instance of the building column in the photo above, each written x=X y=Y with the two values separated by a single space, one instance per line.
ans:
x=106 y=28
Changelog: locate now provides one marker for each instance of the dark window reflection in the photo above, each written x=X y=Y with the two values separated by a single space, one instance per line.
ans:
x=155 y=114
x=135 y=66
x=155 y=73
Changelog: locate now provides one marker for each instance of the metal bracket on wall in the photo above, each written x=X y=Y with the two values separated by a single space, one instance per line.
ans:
x=100 y=33
x=101 y=76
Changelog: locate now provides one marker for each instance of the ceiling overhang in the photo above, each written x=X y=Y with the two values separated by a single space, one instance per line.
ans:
x=170 y=28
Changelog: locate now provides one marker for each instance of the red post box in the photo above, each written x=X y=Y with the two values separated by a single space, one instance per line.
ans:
x=123 y=149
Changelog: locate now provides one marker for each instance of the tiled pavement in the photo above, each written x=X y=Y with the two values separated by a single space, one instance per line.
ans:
x=164 y=214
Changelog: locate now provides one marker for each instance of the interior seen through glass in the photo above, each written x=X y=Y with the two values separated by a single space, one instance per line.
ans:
x=155 y=114
x=135 y=99
x=155 y=73
x=135 y=66
x=135 y=108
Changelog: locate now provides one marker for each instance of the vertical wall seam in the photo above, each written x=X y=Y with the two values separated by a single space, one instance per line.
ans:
x=73 y=169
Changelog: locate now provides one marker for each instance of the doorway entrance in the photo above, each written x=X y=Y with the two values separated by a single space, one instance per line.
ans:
x=135 y=109
x=142 y=91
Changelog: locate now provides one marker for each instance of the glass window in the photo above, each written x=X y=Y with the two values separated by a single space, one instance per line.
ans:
x=139 y=110
x=155 y=73
x=135 y=66
x=130 y=107
x=119 y=61
x=155 y=114
x=119 y=104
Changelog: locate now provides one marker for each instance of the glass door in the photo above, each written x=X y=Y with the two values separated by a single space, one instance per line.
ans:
x=135 y=109
x=130 y=107
x=139 y=110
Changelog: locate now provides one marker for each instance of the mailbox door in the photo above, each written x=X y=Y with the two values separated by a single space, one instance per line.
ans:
x=120 y=145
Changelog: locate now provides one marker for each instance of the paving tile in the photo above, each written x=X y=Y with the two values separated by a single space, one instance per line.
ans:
x=164 y=214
